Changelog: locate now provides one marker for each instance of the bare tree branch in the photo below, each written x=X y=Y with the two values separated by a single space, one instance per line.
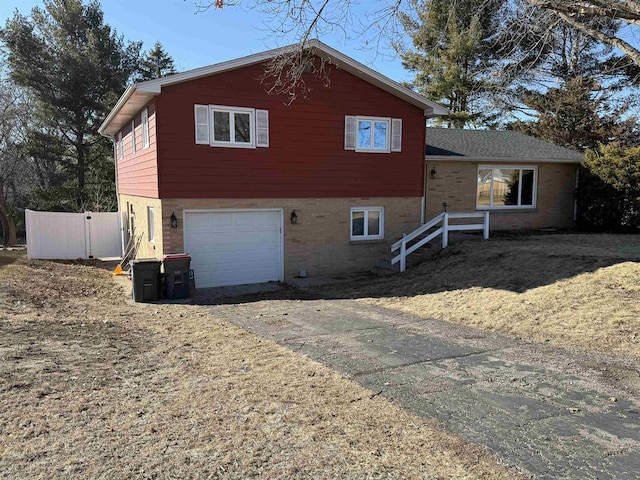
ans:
x=573 y=13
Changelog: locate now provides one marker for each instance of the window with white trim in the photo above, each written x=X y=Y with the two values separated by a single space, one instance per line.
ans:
x=232 y=127
x=372 y=134
x=133 y=136
x=224 y=126
x=367 y=223
x=506 y=187
x=144 y=123
x=119 y=147
x=151 y=227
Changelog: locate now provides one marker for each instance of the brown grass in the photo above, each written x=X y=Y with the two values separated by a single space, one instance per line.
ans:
x=94 y=386
x=573 y=290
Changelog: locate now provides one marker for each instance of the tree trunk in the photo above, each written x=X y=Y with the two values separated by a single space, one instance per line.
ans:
x=9 y=237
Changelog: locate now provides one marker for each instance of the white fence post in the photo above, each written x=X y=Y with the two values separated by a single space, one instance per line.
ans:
x=403 y=256
x=445 y=230
x=485 y=232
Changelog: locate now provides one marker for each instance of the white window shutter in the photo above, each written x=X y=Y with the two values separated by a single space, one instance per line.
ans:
x=202 y=124
x=349 y=132
x=396 y=135
x=262 y=128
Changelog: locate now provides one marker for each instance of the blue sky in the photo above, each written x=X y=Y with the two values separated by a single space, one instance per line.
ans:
x=197 y=39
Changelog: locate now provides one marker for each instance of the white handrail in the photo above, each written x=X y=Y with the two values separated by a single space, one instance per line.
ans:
x=418 y=231
x=444 y=230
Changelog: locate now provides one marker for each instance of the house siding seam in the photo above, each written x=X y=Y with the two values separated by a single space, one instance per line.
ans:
x=138 y=172
x=456 y=184
x=306 y=156
x=319 y=243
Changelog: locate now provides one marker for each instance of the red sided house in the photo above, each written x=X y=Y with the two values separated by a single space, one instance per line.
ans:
x=256 y=189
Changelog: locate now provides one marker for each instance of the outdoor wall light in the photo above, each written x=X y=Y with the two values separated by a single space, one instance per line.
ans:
x=444 y=206
x=294 y=217
x=434 y=174
x=174 y=220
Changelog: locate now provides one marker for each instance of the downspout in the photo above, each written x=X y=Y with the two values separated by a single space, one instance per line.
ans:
x=115 y=167
x=423 y=205
x=575 y=196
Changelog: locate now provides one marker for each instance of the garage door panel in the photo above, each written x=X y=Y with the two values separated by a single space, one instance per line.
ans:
x=231 y=248
x=245 y=219
x=199 y=239
x=268 y=220
x=266 y=256
x=199 y=223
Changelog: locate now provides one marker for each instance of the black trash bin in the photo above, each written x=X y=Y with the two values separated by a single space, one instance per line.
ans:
x=145 y=280
x=176 y=275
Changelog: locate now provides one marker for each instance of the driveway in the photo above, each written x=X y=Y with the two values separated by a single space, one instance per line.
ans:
x=550 y=413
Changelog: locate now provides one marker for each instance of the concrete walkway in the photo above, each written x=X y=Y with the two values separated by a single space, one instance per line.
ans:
x=535 y=408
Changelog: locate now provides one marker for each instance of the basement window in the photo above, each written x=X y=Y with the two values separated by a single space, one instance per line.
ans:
x=505 y=187
x=367 y=223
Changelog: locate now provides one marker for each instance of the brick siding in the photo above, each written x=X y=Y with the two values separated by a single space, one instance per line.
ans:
x=319 y=243
x=456 y=184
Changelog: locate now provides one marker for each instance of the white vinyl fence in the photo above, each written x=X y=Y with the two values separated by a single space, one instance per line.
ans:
x=56 y=235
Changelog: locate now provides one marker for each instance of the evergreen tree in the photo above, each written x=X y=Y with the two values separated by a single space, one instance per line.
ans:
x=156 y=63
x=577 y=115
x=452 y=55
x=73 y=66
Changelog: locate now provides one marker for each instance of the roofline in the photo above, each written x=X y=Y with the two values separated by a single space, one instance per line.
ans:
x=118 y=106
x=449 y=158
x=151 y=88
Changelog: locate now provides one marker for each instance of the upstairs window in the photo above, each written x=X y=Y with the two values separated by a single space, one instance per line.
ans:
x=373 y=134
x=221 y=126
x=145 y=128
x=133 y=136
x=119 y=147
x=506 y=187
x=232 y=126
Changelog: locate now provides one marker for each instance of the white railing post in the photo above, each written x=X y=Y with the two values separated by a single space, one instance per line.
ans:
x=485 y=232
x=445 y=230
x=444 y=217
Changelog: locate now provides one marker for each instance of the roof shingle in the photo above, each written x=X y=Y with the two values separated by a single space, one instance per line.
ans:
x=457 y=144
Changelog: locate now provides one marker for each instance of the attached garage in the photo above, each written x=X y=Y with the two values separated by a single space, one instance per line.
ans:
x=234 y=247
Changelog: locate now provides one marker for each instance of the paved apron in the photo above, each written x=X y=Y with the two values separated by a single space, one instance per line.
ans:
x=488 y=389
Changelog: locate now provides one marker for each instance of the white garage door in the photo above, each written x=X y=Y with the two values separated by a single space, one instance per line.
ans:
x=234 y=247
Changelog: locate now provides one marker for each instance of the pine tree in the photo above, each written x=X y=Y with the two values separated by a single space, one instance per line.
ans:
x=452 y=54
x=156 y=63
x=568 y=115
x=73 y=66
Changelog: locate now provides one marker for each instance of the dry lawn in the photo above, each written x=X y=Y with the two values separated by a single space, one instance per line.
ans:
x=573 y=290
x=94 y=386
